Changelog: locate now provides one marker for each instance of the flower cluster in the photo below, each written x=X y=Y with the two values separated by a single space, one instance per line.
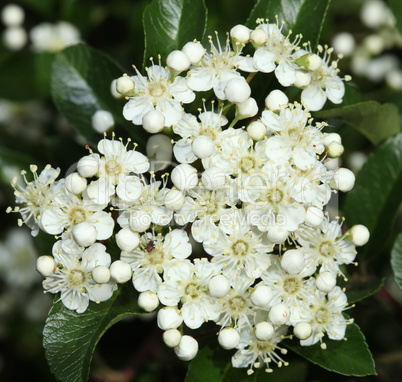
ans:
x=253 y=197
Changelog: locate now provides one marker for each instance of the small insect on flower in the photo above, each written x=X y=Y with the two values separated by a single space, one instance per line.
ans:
x=150 y=246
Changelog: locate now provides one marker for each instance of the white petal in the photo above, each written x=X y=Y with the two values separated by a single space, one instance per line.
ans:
x=53 y=221
x=101 y=292
x=100 y=191
x=104 y=225
x=136 y=108
x=129 y=188
x=264 y=60
x=183 y=152
x=314 y=97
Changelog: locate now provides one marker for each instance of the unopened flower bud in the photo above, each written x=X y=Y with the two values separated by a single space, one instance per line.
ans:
x=113 y=91
x=15 y=38
x=187 y=348
x=293 y=261
x=203 y=146
x=262 y=296
x=88 y=166
x=331 y=137
x=120 y=271
x=240 y=33
x=101 y=274
x=171 y=337
x=174 y=200
x=359 y=234
x=153 y=122
x=256 y=130
x=247 y=108
x=344 y=43
x=343 y=180
x=184 y=177
x=75 y=183
x=258 y=37
x=374 y=44
x=127 y=239
x=12 y=15
x=140 y=221
x=194 y=51
x=45 y=265
x=264 y=331
x=148 y=301
x=303 y=79
x=275 y=99
x=125 y=85
x=309 y=61
x=314 y=216
x=325 y=282
x=159 y=151
x=302 y=330
x=84 y=234
x=102 y=121
x=237 y=90
x=335 y=150
x=213 y=178
x=219 y=286
x=279 y=314
x=178 y=61
x=229 y=338
x=169 y=318
x=277 y=234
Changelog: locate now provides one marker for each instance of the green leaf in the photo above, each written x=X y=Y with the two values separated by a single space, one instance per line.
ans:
x=12 y=162
x=375 y=121
x=376 y=196
x=396 y=8
x=351 y=357
x=70 y=338
x=80 y=85
x=396 y=261
x=169 y=24
x=213 y=364
x=301 y=16
x=363 y=290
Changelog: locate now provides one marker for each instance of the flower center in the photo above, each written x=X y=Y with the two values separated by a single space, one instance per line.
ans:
x=193 y=290
x=76 y=277
x=274 y=196
x=237 y=304
x=113 y=167
x=156 y=89
x=77 y=216
x=156 y=256
x=326 y=249
x=322 y=315
x=209 y=131
x=291 y=285
x=240 y=248
x=247 y=164
x=265 y=347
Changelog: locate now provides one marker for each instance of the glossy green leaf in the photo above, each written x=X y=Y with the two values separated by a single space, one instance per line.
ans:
x=301 y=16
x=80 y=85
x=213 y=364
x=396 y=8
x=169 y=24
x=351 y=357
x=70 y=338
x=396 y=261
x=376 y=196
x=12 y=162
x=375 y=121
x=358 y=292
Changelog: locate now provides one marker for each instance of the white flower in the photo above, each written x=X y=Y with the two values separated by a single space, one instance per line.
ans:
x=157 y=92
x=325 y=82
x=294 y=138
x=154 y=256
x=236 y=248
x=277 y=54
x=115 y=173
x=188 y=283
x=189 y=129
x=326 y=246
x=73 y=278
x=217 y=68
x=35 y=196
x=68 y=210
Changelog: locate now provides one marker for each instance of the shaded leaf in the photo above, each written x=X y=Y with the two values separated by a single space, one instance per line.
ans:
x=396 y=261
x=351 y=357
x=169 y=24
x=213 y=364
x=376 y=196
x=70 y=338
x=301 y=16
x=396 y=8
x=363 y=290
x=375 y=121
